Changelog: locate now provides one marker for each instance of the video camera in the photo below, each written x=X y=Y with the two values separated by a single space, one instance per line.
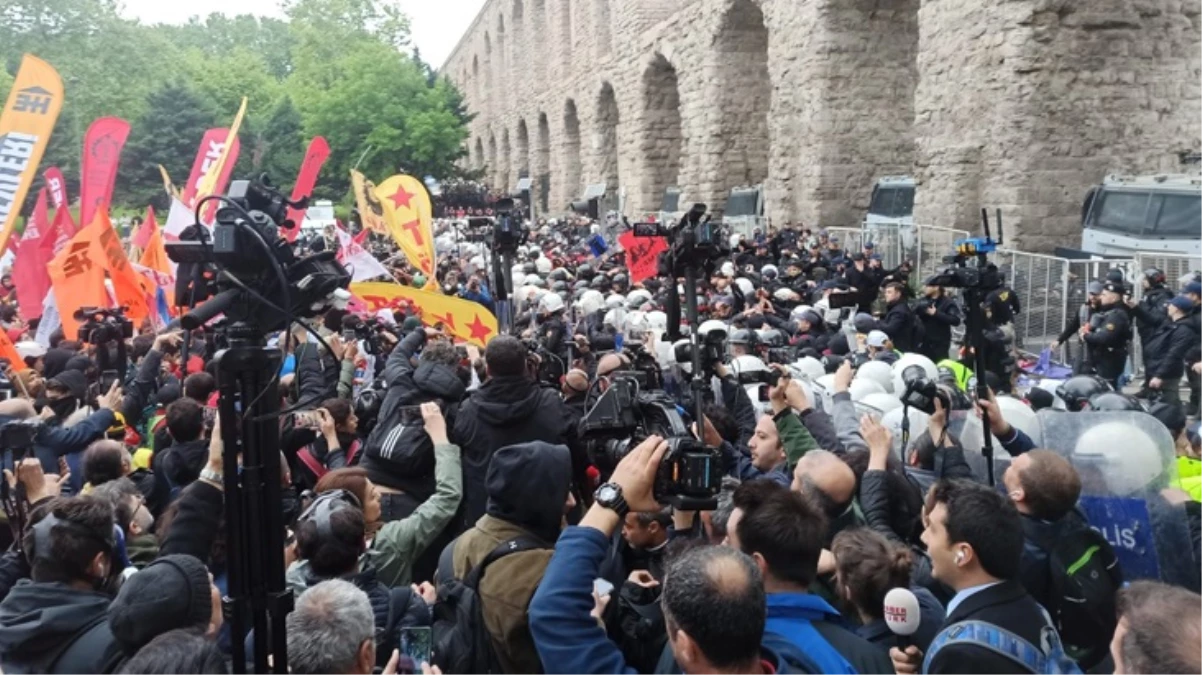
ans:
x=247 y=290
x=696 y=242
x=503 y=233
x=101 y=325
x=922 y=392
x=712 y=347
x=689 y=475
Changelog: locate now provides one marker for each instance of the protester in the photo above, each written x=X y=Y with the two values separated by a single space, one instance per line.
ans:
x=1158 y=630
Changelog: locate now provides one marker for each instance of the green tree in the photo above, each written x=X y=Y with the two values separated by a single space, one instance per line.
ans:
x=168 y=133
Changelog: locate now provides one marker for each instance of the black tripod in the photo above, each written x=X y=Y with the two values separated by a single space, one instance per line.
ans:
x=249 y=404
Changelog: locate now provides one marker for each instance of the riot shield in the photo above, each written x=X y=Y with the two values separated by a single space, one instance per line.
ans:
x=966 y=427
x=1127 y=463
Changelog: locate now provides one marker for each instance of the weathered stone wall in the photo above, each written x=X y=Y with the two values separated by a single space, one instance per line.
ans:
x=1021 y=104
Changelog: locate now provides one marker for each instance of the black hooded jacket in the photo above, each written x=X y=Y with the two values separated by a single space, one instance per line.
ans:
x=54 y=628
x=504 y=411
x=401 y=456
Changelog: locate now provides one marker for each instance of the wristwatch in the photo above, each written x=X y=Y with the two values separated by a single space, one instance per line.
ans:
x=609 y=495
x=214 y=477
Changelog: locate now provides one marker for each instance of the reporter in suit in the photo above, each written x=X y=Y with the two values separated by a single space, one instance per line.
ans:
x=975 y=540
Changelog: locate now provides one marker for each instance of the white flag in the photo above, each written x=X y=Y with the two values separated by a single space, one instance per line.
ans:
x=363 y=265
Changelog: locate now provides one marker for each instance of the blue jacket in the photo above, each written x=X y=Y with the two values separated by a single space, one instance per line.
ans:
x=738 y=464
x=568 y=639
x=792 y=616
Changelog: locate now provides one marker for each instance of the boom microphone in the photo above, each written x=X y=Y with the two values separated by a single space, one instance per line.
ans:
x=902 y=614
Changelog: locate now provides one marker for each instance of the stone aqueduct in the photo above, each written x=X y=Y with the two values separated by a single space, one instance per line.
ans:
x=1017 y=104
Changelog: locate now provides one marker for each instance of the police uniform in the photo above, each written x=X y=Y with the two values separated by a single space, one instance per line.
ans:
x=1108 y=337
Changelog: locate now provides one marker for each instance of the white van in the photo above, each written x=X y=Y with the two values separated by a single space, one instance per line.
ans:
x=892 y=201
x=318 y=217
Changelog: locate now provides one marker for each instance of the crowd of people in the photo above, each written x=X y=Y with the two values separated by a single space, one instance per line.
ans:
x=447 y=511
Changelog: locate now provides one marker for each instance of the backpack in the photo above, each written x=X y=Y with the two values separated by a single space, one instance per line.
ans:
x=1048 y=658
x=461 y=642
x=1085 y=579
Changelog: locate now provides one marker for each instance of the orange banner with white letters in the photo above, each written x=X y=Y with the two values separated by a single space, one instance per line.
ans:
x=25 y=126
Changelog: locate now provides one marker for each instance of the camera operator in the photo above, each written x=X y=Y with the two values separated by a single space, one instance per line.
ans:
x=68 y=423
x=713 y=596
x=939 y=313
x=477 y=291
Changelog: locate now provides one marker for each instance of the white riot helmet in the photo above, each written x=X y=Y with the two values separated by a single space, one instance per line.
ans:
x=825 y=387
x=1021 y=417
x=657 y=321
x=685 y=366
x=786 y=295
x=477 y=261
x=615 y=318
x=796 y=312
x=878 y=372
x=519 y=279
x=637 y=298
x=907 y=361
x=892 y=421
x=707 y=326
x=727 y=270
x=615 y=301
x=534 y=280
x=636 y=323
x=863 y=387
x=551 y=302
x=808 y=368
x=879 y=404
x=735 y=240
x=591 y=301
x=747 y=364
x=543 y=265
x=745 y=286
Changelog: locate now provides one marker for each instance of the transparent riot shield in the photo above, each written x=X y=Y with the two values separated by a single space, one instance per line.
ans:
x=1127 y=463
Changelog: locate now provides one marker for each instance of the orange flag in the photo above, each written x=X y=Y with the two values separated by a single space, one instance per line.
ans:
x=9 y=351
x=469 y=321
x=107 y=248
x=407 y=211
x=155 y=254
x=77 y=280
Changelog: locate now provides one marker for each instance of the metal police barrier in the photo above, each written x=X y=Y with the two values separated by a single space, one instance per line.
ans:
x=1042 y=283
x=1126 y=462
x=851 y=239
x=932 y=244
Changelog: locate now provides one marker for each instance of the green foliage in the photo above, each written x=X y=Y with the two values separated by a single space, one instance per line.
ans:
x=338 y=68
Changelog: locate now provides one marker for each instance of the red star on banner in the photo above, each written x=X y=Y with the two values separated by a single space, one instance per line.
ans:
x=401 y=198
x=479 y=331
x=448 y=320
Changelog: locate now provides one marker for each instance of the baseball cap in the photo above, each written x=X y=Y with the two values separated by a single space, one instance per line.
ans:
x=877 y=339
x=1193 y=288
x=1095 y=287
x=1180 y=302
x=857 y=256
x=834 y=239
x=869 y=244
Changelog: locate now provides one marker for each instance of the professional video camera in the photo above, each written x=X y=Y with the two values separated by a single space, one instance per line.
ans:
x=696 y=242
x=921 y=392
x=711 y=352
x=368 y=329
x=503 y=232
x=263 y=295
x=547 y=366
x=101 y=325
x=688 y=476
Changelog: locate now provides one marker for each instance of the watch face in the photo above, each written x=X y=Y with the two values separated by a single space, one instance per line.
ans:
x=606 y=493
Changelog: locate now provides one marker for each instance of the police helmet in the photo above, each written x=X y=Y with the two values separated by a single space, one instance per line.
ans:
x=1077 y=390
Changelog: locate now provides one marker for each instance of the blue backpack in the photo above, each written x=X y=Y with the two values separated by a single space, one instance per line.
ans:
x=1050 y=659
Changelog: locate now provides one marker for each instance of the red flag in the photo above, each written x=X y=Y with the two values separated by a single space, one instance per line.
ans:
x=101 y=153
x=148 y=228
x=210 y=151
x=61 y=231
x=315 y=156
x=57 y=186
x=29 y=269
x=361 y=237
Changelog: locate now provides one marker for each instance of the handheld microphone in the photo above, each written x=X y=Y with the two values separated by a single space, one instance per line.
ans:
x=902 y=614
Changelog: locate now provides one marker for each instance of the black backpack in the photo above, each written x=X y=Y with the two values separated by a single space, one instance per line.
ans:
x=1085 y=578
x=461 y=642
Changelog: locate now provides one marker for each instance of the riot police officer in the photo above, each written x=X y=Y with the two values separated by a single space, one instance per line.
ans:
x=1151 y=311
x=1108 y=334
x=938 y=313
x=1073 y=327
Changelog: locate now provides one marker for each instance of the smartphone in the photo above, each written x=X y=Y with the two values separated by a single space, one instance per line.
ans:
x=416 y=644
x=411 y=415
x=602 y=587
x=763 y=391
x=349 y=335
x=306 y=419
x=107 y=378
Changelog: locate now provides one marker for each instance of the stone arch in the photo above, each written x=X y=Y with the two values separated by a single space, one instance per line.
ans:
x=517 y=30
x=489 y=67
x=478 y=154
x=542 y=163
x=661 y=132
x=566 y=43
x=742 y=95
x=506 y=161
x=522 y=161
x=491 y=169
x=502 y=65
x=570 y=152
x=602 y=27
x=606 y=140
x=538 y=27
x=475 y=88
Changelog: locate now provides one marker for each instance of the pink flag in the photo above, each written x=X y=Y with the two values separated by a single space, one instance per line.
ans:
x=29 y=269
x=101 y=153
x=61 y=231
x=315 y=156
x=209 y=152
x=149 y=225
x=56 y=186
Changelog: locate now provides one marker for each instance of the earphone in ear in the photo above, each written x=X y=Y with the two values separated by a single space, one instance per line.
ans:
x=959 y=557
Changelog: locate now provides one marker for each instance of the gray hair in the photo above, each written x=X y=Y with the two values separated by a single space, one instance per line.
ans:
x=325 y=631
x=726 y=506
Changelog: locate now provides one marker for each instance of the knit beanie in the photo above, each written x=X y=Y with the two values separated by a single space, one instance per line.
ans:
x=171 y=592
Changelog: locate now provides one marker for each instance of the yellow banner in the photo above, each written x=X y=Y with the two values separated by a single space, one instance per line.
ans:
x=168 y=186
x=466 y=320
x=408 y=214
x=209 y=181
x=371 y=214
x=25 y=126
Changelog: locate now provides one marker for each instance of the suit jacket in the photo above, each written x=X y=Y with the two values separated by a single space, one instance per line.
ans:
x=1006 y=605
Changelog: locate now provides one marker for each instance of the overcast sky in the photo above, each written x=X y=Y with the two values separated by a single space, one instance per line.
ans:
x=436 y=24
